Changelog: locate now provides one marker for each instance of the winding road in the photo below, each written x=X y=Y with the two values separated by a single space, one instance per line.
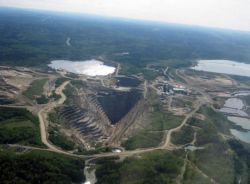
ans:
x=43 y=114
x=169 y=133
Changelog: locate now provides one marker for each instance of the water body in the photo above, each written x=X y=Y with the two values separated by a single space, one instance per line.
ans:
x=223 y=66
x=243 y=136
x=241 y=93
x=234 y=106
x=235 y=103
x=89 y=67
x=243 y=122
x=128 y=81
x=193 y=148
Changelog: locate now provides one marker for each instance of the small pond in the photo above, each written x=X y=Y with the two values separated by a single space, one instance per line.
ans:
x=128 y=81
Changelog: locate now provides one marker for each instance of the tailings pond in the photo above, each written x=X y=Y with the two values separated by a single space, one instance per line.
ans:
x=128 y=81
x=116 y=104
x=243 y=123
x=223 y=66
x=234 y=106
x=89 y=67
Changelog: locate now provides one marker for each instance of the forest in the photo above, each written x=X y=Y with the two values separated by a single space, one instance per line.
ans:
x=39 y=167
x=34 y=38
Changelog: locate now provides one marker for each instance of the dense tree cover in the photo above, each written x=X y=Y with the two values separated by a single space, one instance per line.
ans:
x=243 y=153
x=42 y=99
x=35 y=38
x=159 y=167
x=39 y=167
x=19 y=126
x=60 y=140
x=184 y=136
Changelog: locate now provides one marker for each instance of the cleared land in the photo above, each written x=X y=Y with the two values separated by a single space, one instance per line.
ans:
x=35 y=89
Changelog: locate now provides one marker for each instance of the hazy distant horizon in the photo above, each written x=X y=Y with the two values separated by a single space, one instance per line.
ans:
x=225 y=14
x=122 y=19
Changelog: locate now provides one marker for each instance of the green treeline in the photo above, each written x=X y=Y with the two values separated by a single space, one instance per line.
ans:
x=39 y=167
x=19 y=126
x=33 y=41
x=159 y=167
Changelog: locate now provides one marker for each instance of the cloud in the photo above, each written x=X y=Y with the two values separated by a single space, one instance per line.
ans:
x=232 y=14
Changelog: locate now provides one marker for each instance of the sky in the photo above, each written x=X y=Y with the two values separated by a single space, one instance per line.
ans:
x=231 y=14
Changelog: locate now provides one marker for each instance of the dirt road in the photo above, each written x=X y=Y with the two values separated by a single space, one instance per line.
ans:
x=145 y=92
x=43 y=114
x=117 y=70
x=169 y=133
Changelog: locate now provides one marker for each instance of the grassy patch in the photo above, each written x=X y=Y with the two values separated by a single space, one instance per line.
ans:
x=19 y=126
x=172 y=73
x=35 y=89
x=143 y=139
x=154 y=167
x=181 y=103
x=148 y=74
x=69 y=93
x=164 y=121
x=39 y=167
x=152 y=135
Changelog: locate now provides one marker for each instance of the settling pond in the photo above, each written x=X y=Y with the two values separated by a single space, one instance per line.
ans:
x=89 y=67
x=223 y=66
x=243 y=123
x=234 y=106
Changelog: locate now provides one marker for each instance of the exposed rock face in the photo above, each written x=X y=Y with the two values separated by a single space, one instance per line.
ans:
x=123 y=126
x=80 y=120
x=102 y=114
x=8 y=92
x=87 y=119
x=117 y=104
